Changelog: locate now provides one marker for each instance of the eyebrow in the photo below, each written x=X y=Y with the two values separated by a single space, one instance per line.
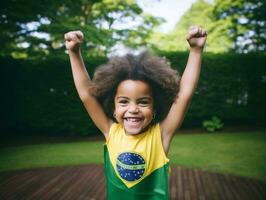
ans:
x=141 y=98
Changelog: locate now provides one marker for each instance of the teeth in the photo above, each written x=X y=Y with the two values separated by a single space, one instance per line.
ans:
x=133 y=119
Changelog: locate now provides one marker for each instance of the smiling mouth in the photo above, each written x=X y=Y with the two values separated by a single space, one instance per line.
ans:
x=133 y=122
x=133 y=119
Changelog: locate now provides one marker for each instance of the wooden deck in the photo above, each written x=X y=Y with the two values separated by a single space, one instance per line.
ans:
x=88 y=182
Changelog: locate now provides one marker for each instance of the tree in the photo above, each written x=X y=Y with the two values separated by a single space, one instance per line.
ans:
x=36 y=29
x=246 y=21
x=232 y=25
x=200 y=14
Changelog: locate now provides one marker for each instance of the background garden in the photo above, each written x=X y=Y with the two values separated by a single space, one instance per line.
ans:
x=39 y=103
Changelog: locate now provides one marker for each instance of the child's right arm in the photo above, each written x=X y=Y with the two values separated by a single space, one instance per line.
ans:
x=83 y=82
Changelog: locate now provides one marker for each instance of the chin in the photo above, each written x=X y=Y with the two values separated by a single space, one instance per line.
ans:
x=133 y=131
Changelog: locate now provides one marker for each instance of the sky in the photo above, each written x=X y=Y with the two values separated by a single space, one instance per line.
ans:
x=170 y=10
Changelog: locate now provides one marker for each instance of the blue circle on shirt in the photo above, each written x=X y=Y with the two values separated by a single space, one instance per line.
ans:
x=130 y=166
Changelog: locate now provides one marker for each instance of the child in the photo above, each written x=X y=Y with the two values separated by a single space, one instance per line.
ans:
x=137 y=102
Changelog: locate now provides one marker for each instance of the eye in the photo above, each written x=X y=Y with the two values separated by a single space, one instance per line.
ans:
x=123 y=102
x=144 y=103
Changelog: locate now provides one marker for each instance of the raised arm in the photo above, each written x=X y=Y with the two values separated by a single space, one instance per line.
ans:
x=83 y=82
x=196 y=39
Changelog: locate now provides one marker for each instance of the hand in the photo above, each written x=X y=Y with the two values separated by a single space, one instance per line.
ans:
x=196 y=37
x=73 y=40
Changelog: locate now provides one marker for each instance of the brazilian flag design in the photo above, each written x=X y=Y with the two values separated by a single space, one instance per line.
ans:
x=136 y=166
x=130 y=166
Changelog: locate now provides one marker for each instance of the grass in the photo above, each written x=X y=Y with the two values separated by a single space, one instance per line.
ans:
x=242 y=154
x=45 y=155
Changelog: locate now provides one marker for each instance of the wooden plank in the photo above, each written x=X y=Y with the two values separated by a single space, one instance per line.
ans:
x=208 y=190
x=241 y=193
x=68 y=184
x=258 y=189
x=88 y=182
x=244 y=191
x=172 y=184
x=225 y=187
x=48 y=178
x=56 y=181
x=187 y=188
x=192 y=187
x=179 y=178
x=100 y=188
x=14 y=178
x=97 y=184
x=214 y=194
x=90 y=192
x=199 y=185
x=231 y=187
x=83 y=184
x=41 y=177
x=22 y=182
x=222 y=193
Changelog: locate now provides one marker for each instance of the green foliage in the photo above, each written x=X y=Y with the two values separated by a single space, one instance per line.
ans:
x=231 y=86
x=232 y=25
x=246 y=21
x=31 y=29
x=213 y=124
x=40 y=97
x=200 y=13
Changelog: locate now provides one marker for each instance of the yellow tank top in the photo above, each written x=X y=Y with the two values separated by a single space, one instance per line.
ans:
x=135 y=157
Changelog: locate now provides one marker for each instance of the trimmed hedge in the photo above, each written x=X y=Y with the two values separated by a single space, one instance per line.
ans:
x=40 y=97
x=231 y=87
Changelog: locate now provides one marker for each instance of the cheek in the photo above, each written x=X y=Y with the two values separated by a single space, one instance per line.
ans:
x=119 y=111
x=148 y=113
x=116 y=108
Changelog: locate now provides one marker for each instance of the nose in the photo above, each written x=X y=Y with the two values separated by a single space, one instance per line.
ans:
x=133 y=108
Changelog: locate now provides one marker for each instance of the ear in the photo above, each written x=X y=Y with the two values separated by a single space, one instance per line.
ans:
x=154 y=115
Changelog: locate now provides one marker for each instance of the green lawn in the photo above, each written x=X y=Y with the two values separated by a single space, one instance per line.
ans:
x=242 y=154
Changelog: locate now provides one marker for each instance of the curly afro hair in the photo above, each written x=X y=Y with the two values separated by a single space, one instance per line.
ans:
x=154 y=70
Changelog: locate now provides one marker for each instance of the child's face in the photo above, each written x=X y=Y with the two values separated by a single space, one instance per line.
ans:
x=134 y=106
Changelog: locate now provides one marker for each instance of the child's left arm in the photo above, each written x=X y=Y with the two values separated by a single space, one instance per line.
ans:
x=196 y=39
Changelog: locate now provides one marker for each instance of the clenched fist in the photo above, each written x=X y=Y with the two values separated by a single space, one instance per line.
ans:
x=196 y=37
x=73 y=40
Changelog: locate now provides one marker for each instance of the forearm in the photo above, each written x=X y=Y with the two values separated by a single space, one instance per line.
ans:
x=191 y=74
x=80 y=75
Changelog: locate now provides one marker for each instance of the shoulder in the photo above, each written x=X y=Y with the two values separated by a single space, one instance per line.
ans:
x=155 y=130
x=155 y=127
x=114 y=129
